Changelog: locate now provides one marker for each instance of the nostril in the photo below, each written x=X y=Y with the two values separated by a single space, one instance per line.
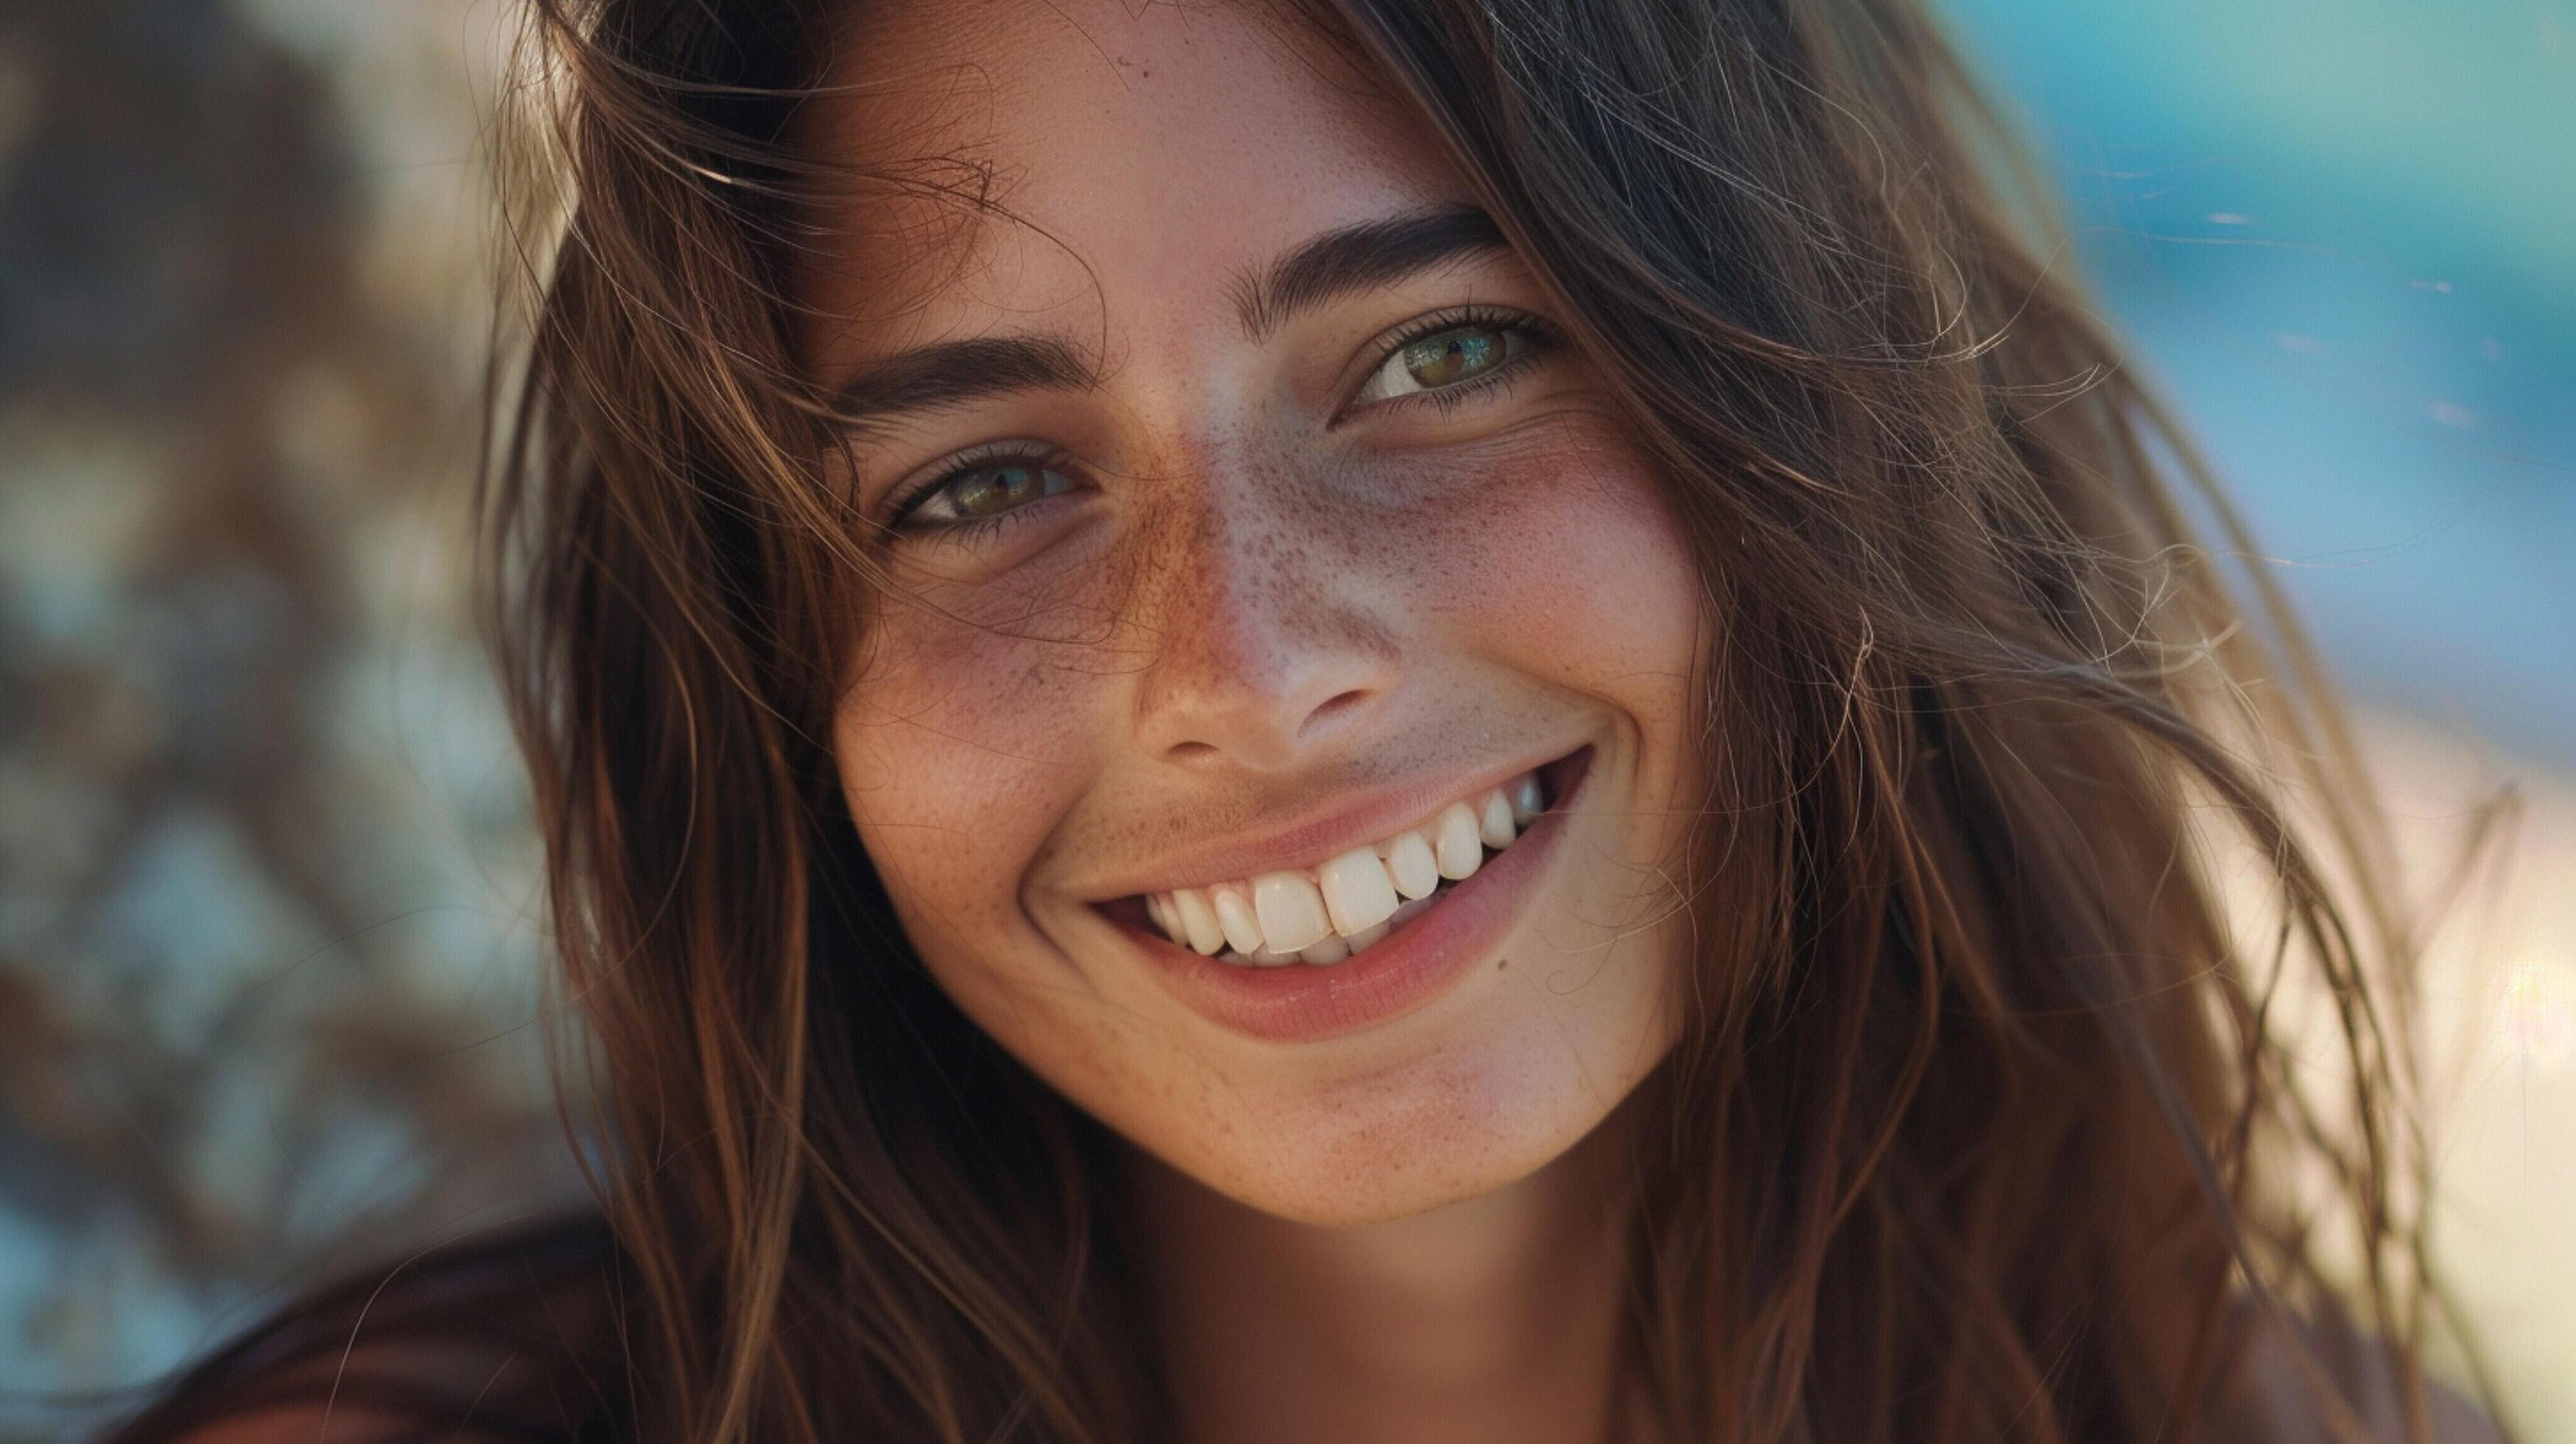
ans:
x=1333 y=708
x=1265 y=727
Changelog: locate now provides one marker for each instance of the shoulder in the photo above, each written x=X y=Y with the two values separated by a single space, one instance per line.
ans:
x=505 y=1336
x=2324 y=1382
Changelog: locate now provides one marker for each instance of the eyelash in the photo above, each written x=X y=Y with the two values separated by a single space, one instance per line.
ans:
x=1541 y=338
x=973 y=459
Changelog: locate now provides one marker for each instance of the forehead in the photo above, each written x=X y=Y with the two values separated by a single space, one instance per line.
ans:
x=1062 y=159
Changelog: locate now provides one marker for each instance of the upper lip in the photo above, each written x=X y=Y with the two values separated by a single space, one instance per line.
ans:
x=1329 y=830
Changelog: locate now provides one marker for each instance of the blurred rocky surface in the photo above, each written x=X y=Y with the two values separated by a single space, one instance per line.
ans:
x=267 y=948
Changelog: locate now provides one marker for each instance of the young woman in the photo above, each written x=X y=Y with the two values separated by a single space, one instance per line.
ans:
x=1412 y=720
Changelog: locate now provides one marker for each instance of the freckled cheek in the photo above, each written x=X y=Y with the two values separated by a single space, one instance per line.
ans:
x=960 y=745
x=1566 y=566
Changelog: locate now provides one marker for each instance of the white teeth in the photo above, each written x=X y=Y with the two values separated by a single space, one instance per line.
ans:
x=1356 y=890
x=1234 y=914
x=1199 y=920
x=1455 y=842
x=1291 y=911
x=1410 y=863
x=1352 y=902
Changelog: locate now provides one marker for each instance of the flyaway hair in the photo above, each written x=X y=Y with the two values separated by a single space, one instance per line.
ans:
x=2027 y=808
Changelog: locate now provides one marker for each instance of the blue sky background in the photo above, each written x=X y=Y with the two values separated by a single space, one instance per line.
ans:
x=2342 y=237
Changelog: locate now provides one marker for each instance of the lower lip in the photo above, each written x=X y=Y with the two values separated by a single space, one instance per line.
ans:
x=1304 y=1003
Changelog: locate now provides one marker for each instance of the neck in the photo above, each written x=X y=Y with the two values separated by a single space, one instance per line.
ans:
x=1494 y=1319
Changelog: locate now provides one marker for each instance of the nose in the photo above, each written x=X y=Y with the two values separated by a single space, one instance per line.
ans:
x=1265 y=651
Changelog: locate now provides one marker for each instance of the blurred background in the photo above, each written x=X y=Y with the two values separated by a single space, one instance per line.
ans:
x=268 y=938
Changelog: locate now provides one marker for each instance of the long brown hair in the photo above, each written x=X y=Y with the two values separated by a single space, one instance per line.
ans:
x=1981 y=1125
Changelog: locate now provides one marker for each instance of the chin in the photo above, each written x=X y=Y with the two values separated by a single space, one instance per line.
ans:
x=1457 y=1124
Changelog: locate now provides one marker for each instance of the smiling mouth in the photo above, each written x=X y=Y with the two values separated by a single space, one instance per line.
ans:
x=1319 y=916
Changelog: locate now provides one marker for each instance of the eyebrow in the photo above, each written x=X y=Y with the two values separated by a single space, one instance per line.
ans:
x=952 y=373
x=1359 y=258
x=1336 y=263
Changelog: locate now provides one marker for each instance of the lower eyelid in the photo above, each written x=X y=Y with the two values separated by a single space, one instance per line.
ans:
x=958 y=533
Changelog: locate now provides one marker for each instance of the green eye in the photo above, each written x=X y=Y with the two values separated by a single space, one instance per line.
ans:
x=1459 y=354
x=981 y=491
x=991 y=490
x=1447 y=358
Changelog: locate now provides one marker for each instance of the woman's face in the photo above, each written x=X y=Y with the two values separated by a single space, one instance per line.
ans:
x=1251 y=533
